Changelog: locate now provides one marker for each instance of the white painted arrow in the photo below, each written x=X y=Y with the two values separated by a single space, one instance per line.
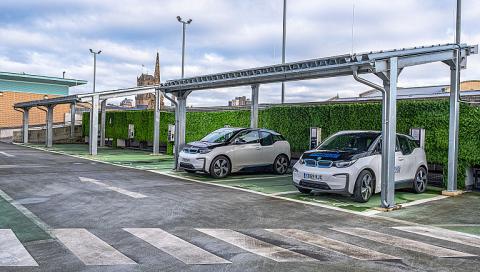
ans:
x=113 y=188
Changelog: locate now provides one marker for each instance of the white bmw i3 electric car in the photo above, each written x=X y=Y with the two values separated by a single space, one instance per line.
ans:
x=349 y=162
x=229 y=150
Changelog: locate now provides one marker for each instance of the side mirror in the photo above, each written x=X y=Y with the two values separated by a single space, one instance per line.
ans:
x=237 y=141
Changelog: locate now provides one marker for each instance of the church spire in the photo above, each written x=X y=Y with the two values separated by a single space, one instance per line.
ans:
x=157 y=70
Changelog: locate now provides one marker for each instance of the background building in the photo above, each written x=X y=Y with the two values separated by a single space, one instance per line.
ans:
x=239 y=101
x=127 y=103
x=16 y=87
x=147 y=101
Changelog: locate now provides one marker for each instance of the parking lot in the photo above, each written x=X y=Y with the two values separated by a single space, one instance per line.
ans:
x=62 y=213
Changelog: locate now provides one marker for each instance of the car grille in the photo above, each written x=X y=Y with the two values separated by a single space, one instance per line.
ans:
x=190 y=150
x=318 y=164
x=316 y=185
x=187 y=165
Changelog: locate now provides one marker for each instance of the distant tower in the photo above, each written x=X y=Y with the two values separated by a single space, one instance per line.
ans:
x=148 y=100
x=156 y=76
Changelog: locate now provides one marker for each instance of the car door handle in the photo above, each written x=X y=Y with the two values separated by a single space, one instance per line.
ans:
x=257 y=148
x=401 y=159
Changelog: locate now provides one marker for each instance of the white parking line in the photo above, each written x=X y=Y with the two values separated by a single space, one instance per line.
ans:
x=90 y=249
x=256 y=246
x=6 y=154
x=350 y=250
x=178 y=248
x=444 y=234
x=113 y=188
x=404 y=243
x=12 y=252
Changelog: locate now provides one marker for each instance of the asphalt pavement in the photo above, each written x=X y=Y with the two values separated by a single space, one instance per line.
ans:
x=102 y=217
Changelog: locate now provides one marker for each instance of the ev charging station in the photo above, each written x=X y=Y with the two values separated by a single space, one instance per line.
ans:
x=419 y=135
x=315 y=137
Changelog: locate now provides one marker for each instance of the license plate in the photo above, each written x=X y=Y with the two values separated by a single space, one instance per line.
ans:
x=185 y=160
x=312 y=176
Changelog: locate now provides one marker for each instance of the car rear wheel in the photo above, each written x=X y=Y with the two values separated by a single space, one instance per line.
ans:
x=280 y=165
x=364 y=187
x=220 y=167
x=420 y=182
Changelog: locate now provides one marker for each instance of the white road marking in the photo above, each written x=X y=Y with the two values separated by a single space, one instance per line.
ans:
x=90 y=249
x=403 y=243
x=12 y=252
x=284 y=193
x=256 y=246
x=444 y=234
x=350 y=250
x=113 y=188
x=6 y=154
x=176 y=247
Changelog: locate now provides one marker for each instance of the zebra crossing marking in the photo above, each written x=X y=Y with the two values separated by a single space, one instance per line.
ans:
x=90 y=249
x=113 y=188
x=12 y=252
x=444 y=234
x=347 y=249
x=176 y=247
x=256 y=246
x=404 y=243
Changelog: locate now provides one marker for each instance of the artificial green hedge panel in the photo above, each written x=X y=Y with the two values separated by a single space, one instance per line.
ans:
x=294 y=122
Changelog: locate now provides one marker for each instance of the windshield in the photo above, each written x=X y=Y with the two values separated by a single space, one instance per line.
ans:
x=351 y=142
x=219 y=136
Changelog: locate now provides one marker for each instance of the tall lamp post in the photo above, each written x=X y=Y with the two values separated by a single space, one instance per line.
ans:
x=284 y=41
x=184 y=24
x=95 y=53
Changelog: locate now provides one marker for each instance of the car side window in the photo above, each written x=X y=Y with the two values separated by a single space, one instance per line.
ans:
x=405 y=146
x=248 y=137
x=266 y=138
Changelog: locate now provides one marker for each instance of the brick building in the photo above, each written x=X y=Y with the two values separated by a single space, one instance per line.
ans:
x=15 y=88
x=147 y=100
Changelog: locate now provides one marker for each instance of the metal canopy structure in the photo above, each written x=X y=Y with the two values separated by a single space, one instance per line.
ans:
x=386 y=65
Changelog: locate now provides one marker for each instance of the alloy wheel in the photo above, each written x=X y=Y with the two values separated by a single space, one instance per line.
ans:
x=281 y=165
x=366 y=188
x=220 y=167
x=421 y=180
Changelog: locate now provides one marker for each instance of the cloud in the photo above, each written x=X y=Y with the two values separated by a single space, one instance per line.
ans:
x=43 y=37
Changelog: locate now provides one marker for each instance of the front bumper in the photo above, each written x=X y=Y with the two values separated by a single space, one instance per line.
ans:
x=195 y=162
x=333 y=180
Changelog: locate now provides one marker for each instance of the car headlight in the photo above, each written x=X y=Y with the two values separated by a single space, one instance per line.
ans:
x=343 y=164
x=295 y=170
x=204 y=150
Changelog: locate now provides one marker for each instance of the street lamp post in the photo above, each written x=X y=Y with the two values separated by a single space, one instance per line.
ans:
x=95 y=66
x=184 y=24
x=284 y=41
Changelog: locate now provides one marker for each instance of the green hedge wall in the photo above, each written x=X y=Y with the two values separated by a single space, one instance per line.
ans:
x=293 y=122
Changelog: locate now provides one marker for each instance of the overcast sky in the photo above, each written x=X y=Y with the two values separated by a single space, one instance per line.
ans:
x=47 y=37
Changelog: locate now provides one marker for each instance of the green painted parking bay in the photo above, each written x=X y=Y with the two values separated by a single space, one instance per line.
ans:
x=25 y=229
x=263 y=182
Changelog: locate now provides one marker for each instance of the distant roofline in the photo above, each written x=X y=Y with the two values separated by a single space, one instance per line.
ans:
x=23 y=77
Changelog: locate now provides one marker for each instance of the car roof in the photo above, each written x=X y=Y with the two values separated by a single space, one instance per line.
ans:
x=369 y=131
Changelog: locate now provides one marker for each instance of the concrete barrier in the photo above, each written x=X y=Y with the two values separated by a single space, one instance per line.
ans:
x=60 y=135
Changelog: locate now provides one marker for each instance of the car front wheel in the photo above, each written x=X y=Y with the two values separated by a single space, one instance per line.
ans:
x=420 y=182
x=220 y=167
x=280 y=165
x=304 y=191
x=364 y=187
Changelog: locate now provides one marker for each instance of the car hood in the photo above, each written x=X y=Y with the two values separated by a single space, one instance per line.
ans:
x=332 y=155
x=208 y=145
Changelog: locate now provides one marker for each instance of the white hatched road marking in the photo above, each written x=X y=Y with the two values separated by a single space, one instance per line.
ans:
x=12 y=252
x=350 y=250
x=403 y=243
x=444 y=234
x=90 y=249
x=113 y=188
x=176 y=247
x=256 y=246
x=6 y=154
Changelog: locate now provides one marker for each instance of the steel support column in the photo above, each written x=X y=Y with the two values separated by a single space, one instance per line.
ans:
x=180 y=124
x=454 y=123
x=93 y=133
x=73 y=112
x=156 y=124
x=49 y=129
x=25 y=125
x=389 y=135
x=254 y=107
x=103 y=120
